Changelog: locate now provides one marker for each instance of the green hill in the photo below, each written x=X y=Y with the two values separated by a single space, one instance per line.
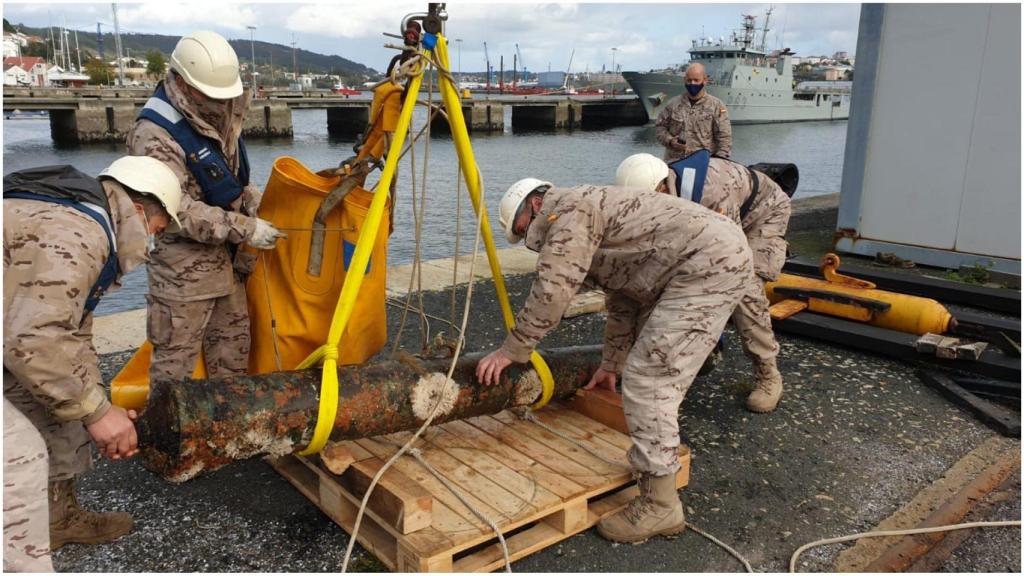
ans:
x=266 y=52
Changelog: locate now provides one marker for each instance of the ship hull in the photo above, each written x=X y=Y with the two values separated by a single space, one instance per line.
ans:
x=655 y=90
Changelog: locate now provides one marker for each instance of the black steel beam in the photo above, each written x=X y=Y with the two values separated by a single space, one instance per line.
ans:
x=992 y=363
x=1005 y=421
x=947 y=291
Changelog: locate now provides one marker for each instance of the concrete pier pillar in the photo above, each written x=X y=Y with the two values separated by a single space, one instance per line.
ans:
x=547 y=116
x=610 y=114
x=346 y=122
x=267 y=119
x=481 y=116
x=92 y=122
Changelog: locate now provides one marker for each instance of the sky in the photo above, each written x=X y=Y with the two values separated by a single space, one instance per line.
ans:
x=645 y=36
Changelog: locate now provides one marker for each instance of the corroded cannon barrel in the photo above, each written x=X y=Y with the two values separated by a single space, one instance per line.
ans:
x=201 y=425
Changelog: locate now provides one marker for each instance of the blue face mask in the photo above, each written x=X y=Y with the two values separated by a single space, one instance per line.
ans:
x=694 y=89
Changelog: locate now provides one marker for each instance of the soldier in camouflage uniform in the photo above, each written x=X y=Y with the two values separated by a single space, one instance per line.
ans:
x=694 y=120
x=197 y=300
x=727 y=188
x=67 y=238
x=673 y=272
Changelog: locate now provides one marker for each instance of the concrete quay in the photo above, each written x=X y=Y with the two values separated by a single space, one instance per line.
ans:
x=91 y=115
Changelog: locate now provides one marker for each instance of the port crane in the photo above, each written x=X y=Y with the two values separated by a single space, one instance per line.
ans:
x=487 y=59
x=521 y=62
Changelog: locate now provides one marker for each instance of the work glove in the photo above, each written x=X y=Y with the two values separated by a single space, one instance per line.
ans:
x=265 y=235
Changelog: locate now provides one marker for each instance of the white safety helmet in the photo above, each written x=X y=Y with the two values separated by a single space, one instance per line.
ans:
x=644 y=171
x=511 y=202
x=209 y=64
x=148 y=175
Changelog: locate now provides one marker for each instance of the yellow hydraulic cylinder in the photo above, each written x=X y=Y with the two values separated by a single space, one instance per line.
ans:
x=859 y=300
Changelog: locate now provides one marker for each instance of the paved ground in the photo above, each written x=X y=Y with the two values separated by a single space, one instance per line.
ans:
x=856 y=436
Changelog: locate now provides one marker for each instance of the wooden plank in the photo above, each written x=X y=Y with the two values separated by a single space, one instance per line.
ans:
x=564 y=447
x=589 y=425
x=397 y=499
x=506 y=504
x=462 y=519
x=561 y=420
x=333 y=494
x=522 y=463
x=602 y=406
x=539 y=451
x=371 y=536
x=524 y=487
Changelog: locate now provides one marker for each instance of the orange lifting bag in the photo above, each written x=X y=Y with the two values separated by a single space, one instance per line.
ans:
x=289 y=303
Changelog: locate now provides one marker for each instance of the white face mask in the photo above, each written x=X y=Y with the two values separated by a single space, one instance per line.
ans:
x=150 y=238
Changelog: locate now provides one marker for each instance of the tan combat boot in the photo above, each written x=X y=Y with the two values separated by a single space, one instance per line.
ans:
x=768 y=390
x=71 y=524
x=656 y=511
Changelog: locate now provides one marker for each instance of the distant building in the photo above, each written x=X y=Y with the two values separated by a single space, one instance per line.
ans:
x=14 y=75
x=34 y=66
x=840 y=56
x=66 y=79
x=550 y=79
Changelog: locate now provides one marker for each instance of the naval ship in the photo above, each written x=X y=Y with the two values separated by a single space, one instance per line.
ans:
x=756 y=88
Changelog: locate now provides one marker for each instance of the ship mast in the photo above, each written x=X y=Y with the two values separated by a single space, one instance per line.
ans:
x=764 y=33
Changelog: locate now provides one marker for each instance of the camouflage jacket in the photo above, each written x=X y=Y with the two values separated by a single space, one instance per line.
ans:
x=197 y=264
x=700 y=124
x=52 y=257
x=630 y=243
x=728 y=185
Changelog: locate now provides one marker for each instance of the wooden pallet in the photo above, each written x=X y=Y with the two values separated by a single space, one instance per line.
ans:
x=539 y=488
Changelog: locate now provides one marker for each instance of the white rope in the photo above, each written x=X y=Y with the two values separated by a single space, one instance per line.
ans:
x=415 y=453
x=426 y=423
x=724 y=546
x=880 y=533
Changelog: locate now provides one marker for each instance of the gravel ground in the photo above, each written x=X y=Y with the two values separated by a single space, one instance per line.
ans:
x=855 y=437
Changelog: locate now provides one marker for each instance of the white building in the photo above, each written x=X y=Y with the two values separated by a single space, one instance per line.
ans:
x=14 y=75
x=36 y=69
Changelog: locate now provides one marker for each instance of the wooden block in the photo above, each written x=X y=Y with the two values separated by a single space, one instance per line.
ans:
x=410 y=561
x=971 y=351
x=337 y=457
x=570 y=519
x=786 y=308
x=603 y=406
x=396 y=499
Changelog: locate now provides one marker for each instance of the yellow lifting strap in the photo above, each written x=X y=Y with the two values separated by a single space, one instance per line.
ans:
x=328 y=408
x=467 y=162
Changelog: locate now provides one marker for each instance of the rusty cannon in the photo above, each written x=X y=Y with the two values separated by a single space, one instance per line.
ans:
x=195 y=426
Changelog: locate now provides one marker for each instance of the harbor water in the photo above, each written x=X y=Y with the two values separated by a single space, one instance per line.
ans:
x=565 y=158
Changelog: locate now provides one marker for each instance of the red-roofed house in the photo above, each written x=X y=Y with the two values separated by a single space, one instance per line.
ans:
x=34 y=66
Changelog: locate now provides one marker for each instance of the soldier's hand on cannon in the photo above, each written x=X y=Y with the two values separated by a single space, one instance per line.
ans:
x=488 y=370
x=602 y=379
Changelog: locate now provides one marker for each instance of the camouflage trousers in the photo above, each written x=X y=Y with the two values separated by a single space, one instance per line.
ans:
x=767 y=240
x=26 y=512
x=219 y=327
x=69 y=445
x=754 y=324
x=673 y=338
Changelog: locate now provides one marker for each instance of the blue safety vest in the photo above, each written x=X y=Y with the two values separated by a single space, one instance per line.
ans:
x=203 y=157
x=67 y=186
x=690 y=175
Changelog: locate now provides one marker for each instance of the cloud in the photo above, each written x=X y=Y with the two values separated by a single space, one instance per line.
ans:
x=157 y=17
